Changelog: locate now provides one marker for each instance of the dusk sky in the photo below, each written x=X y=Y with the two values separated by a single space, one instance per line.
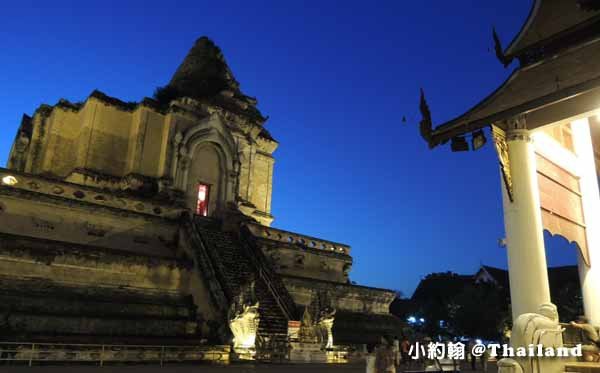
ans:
x=335 y=78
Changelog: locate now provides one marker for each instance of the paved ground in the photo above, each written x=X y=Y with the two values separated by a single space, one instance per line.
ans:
x=176 y=368
x=244 y=368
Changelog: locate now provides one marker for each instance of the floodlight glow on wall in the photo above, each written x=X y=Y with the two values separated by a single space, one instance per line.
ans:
x=9 y=180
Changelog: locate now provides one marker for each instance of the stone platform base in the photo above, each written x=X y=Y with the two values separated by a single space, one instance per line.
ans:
x=55 y=353
x=582 y=367
x=307 y=353
x=243 y=354
x=195 y=368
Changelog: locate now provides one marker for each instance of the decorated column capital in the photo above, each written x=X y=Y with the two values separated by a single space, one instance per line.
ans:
x=516 y=129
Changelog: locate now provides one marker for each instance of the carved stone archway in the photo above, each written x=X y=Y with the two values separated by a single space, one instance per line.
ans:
x=210 y=132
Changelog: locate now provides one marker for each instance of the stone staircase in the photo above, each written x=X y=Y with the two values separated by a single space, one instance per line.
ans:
x=237 y=263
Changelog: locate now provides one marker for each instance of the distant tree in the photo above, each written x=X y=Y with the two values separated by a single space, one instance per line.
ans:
x=433 y=300
x=568 y=300
x=401 y=307
x=479 y=311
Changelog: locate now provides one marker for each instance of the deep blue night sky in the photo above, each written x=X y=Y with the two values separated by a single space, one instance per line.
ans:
x=335 y=78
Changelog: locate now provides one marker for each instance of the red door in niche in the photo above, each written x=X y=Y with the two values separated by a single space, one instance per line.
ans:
x=202 y=204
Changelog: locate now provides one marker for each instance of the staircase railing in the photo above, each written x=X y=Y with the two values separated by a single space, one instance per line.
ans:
x=209 y=261
x=266 y=273
x=213 y=277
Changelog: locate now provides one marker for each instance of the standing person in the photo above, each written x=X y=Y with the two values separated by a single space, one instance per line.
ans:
x=484 y=360
x=370 y=359
x=471 y=356
x=396 y=351
x=404 y=350
x=384 y=360
x=591 y=339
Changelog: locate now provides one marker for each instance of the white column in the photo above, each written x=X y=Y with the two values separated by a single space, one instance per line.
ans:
x=528 y=272
x=590 y=196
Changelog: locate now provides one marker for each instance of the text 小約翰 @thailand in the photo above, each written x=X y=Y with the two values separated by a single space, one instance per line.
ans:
x=504 y=350
x=456 y=351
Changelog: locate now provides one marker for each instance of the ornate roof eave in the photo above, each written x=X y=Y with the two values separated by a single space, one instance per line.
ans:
x=556 y=44
x=511 y=98
x=445 y=132
x=458 y=127
x=537 y=30
x=530 y=17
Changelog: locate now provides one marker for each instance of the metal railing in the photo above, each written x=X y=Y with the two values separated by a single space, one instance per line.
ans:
x=31 y=353
x=204 y=259
x=271 y=279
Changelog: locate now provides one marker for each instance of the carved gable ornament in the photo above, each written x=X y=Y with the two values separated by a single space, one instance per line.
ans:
x=501 y=146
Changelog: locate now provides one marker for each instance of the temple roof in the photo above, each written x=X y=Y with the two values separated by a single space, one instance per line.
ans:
x=499 y=275
x=558 y=48
x=548 y=18
x=529 y=88
x=557 y=276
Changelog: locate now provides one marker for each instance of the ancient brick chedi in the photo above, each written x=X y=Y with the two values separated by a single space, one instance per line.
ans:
x=150 y=221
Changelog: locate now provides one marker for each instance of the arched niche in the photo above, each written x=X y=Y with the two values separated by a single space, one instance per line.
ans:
x=207 y=155
x=206 y=169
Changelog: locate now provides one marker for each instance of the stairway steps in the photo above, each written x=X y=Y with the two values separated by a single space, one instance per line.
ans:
x=237 y=270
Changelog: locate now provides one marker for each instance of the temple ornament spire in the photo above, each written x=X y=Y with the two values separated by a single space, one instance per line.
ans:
x=425 y=125
x=505 y=61
x=204 y=75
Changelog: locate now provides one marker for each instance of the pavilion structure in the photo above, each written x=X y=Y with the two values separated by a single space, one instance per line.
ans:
x=545 y=124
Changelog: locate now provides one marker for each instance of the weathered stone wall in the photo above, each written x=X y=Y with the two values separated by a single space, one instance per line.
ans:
x=97 y=136
x=62 y=135
x=99 y=242
x=343 y=297
x=263 y=175
x=56 y=288
x=311 y=263
x=25 y=257
x=152 y=141
x=111 y=139
x=52 y=218
x=294 y=254
x=137 y=270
